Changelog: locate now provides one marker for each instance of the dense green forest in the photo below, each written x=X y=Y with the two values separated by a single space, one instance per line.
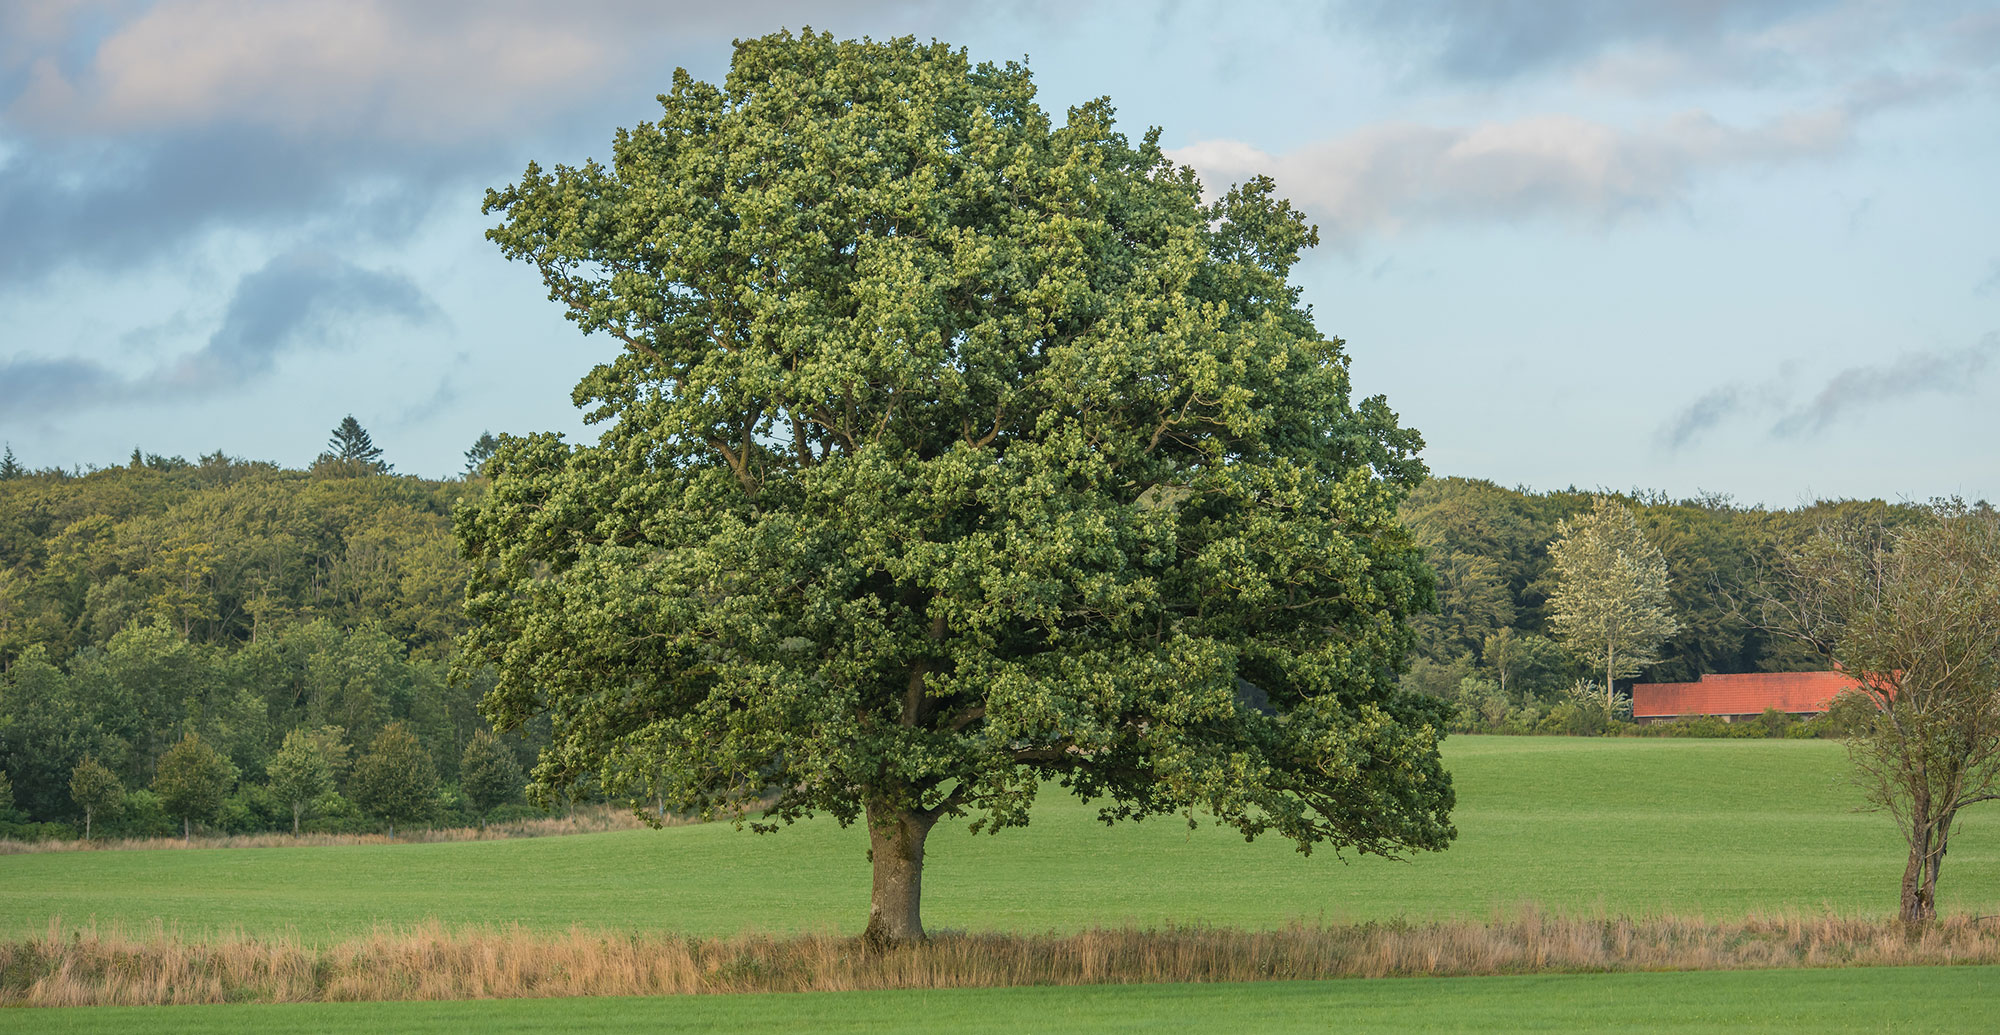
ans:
x=1489 y=645
x=238 y=603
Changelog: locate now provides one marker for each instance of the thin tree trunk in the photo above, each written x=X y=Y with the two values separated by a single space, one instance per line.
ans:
x=1919 y=891
x=1926 y=859
x=896 y=847
x=187 y=829
x=1610 y=709
x=295 y=819
x=86 y=824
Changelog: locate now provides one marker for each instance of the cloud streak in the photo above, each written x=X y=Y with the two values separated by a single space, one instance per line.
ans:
x=1857 y=392
x=1384 y=177
x=300 y=300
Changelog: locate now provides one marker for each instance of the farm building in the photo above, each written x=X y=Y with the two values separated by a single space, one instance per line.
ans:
x=1741 y=696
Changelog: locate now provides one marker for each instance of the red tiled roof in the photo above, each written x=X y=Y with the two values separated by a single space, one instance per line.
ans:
x=1746 y=694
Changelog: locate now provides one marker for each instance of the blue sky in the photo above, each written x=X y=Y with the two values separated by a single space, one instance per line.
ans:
x=1692 y=245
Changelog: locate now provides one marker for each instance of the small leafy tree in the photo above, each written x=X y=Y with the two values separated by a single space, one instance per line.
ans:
x=1914 y=613
x=396 y=779
x=96 y=790
x=1610 y=607
x=6 y=794
x=488 y=774
x=303 y=768
x=192 y=781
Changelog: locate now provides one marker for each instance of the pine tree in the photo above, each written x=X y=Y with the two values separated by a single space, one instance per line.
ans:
x=10 y=468
x=481 y=451
x=351 y=445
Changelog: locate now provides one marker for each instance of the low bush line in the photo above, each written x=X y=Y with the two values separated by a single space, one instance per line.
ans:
x=595 y=819
x=85 y=966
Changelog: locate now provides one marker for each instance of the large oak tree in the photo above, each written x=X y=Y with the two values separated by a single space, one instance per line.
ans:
x=948 y=451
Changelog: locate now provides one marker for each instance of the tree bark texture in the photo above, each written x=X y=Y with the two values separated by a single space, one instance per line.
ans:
x=896 y=848
x=1920 y=874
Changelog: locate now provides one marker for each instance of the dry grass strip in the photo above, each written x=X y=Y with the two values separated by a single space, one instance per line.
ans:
x=75 y=967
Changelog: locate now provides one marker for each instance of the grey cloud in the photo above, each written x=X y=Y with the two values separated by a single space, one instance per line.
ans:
x=1499 y=39
x=1382 y=177
x=126 y=204
x=128 y=131
x=1856 y=391
x=297 y=300
x=1701 y=415
x=1859 y=390
x=33 y=385
x=294 y=301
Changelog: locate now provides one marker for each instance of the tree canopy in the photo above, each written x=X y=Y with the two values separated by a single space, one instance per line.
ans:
x=396 y=779
x=950 y=451
x=1611 y=604
x=192 y=780
x=1915 y=613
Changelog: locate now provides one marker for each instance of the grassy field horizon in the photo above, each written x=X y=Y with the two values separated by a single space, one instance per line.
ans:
x=1644 y=827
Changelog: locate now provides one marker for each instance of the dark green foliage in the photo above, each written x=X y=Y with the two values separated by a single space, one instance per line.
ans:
x=192 y=782
x=482 y=450
x=1490 y=547
x=952 y=450
x=304 y=768
x=352 y=450
x=396 y=779
x=10 y=468
x=488 y=776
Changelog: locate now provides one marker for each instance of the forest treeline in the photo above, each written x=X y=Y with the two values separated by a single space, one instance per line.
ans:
x=239 y=603
x=1489 y=645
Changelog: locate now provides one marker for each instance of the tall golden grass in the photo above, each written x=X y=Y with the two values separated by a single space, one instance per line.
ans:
x=593 y=819
x=85 y=966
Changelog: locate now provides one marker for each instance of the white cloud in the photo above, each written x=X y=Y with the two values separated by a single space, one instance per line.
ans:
x=1383 y=177
x=371 y=67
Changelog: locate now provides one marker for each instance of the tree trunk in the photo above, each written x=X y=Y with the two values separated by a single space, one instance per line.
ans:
x=896 y=847
x=295 y=819
x=86 y=824
x=187 y=829
x=1920 y=874
x=1610 y=703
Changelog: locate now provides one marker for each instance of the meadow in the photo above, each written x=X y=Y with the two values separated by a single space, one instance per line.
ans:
x=1687 y=828
x=1901 y=999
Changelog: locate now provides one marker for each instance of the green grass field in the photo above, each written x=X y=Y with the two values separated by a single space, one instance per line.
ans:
x=1900 y=999
x=1713 y=828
